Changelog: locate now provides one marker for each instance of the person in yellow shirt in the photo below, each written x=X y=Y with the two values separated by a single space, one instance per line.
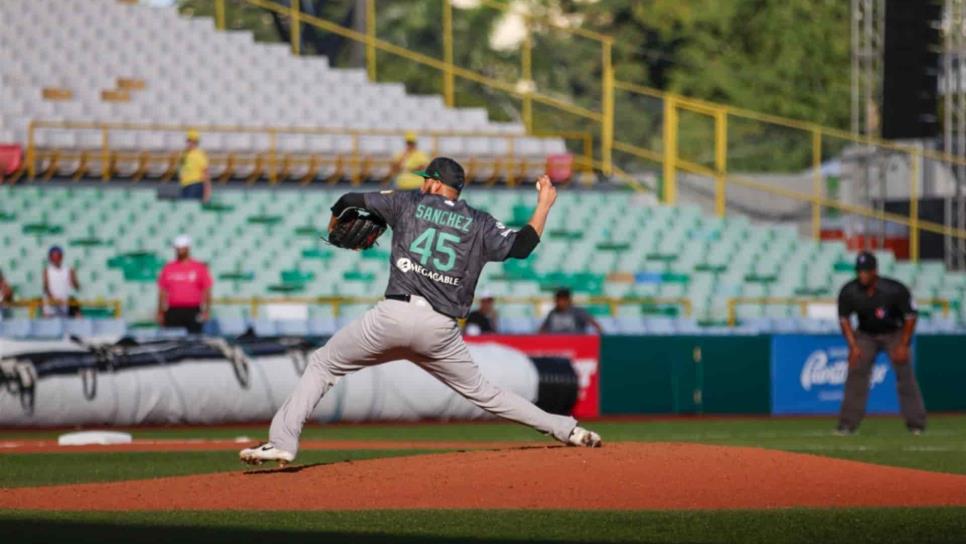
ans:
x=193 y=173
x=407 y=161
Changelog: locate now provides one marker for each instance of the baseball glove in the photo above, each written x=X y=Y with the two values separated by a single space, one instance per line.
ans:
x=356 y=228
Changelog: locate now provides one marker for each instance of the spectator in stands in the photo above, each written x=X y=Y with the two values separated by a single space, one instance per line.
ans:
x=193 y=173
x=483 y=319
x=6 y=296
x=184 y=290
x=565 y=318
x=59 y=283
x=406 y=162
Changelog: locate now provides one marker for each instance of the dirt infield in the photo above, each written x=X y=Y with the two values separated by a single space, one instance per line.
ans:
x=619 y=476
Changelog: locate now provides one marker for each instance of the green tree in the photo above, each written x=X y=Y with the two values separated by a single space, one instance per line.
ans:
x=784 y=57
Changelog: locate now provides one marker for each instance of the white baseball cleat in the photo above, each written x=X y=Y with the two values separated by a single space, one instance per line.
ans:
x=265 y=452
x=582 y=437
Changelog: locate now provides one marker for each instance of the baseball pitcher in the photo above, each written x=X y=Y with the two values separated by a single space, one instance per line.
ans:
x=439 y=247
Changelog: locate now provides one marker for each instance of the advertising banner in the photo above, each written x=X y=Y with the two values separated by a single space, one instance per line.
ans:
x=808 y=376
x=583 y=351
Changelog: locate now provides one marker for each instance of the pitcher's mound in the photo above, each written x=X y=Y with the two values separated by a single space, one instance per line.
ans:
x=618 y=476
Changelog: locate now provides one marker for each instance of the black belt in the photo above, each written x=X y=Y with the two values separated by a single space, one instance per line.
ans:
x=407 y=298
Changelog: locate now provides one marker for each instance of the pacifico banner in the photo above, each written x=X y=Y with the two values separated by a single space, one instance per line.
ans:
x=583 y=351
x=808 y=376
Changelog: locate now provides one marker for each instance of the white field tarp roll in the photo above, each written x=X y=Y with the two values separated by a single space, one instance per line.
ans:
x=208 y=391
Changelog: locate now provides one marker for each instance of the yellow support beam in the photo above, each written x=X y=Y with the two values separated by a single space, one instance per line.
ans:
x=105 y=155
x=703 y=106
x=31 y=158
x=817 y=192
x=371 y=33
x=669 y=187
x=607 y=107
x=526 y=74
x=825 y=202
x=720 y=162
x=914 y=207
x=448 y=84
x=220 y=14
x=295 y=20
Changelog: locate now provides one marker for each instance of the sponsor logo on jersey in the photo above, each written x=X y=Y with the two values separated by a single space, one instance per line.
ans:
x=504 y=230
x=406 y=266
x=818 y=370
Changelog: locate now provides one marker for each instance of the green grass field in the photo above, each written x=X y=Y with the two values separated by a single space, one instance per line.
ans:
x=881 y=440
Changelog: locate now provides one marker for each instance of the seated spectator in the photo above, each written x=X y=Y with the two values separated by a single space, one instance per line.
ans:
x=193 y=173
x=59 y=283
x=483 y=319
x=6 y=296
x=565 y=318
x=184 y=290
x=406 y=162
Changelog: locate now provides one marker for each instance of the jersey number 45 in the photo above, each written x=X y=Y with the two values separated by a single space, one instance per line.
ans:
x=444 y=241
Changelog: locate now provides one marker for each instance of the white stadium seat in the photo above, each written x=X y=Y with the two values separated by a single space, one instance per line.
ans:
x=92 y=45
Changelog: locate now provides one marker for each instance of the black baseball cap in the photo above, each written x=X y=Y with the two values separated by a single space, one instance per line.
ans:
x=866 y=261
x=446 y=170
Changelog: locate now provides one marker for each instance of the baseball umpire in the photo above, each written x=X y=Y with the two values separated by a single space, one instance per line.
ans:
x=439 y=247
x=887 y=319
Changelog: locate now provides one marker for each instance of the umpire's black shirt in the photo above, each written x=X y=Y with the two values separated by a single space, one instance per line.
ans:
x=884 y=311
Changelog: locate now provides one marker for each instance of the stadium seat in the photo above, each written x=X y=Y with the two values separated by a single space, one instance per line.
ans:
x=16 y=328
x=231 y=325
x=82 y=328
x=255 y=260
x=264 y=327
x=109 y=327
x=46 y=328
x=148 y=43
x=292 y=327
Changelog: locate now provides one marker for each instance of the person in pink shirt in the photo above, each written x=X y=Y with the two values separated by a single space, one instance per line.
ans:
x=184 y=290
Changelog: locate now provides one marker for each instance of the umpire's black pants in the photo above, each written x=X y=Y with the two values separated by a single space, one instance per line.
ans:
x=188 y=318
x=857 y=383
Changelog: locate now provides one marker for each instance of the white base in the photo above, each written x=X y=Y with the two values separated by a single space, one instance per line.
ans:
x=88 y=438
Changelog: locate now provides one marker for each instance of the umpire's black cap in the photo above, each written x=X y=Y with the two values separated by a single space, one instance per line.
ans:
x=446 y=170
x=866 y=261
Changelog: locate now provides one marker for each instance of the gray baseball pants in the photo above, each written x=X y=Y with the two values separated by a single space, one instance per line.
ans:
x=394 y=330
x=857 y=383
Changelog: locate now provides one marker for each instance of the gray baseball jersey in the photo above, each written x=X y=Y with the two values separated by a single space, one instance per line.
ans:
x=439 y=247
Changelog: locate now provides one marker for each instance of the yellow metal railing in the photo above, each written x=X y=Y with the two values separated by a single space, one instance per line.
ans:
x=804 y=303
x=35 y=305
x=272 y=161
x=720 y=141
x=815 y=136
x=337 y=302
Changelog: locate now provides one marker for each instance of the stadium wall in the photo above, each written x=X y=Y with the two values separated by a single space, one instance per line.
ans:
x=684 y=374
x=763 y=374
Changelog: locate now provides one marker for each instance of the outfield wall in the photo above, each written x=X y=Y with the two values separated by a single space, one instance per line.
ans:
x=764 y=374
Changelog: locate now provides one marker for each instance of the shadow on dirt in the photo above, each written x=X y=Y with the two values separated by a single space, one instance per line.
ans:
x=47 y=531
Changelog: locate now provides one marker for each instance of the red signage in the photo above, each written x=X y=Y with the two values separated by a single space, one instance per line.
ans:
x=583 y=352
